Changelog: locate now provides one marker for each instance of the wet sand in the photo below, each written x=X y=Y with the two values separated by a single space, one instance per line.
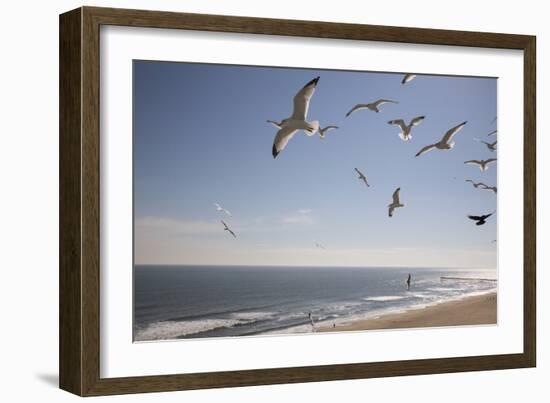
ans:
x=476 y=310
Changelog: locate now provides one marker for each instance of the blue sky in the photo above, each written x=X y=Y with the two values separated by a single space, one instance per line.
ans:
x=200 y=137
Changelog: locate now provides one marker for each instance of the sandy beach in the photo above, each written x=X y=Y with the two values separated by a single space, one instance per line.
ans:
x=476 y=310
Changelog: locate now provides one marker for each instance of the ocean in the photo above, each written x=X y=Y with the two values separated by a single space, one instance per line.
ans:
x=176 y=302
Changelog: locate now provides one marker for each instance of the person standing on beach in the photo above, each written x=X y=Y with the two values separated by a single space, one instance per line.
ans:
x=409 y=282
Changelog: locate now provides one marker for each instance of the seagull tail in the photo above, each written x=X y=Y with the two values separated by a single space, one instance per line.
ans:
x=315 y=127
x=403 y=137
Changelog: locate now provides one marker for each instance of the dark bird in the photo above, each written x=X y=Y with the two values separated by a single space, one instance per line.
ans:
x=226 y=228
x=361 y=176
x=481 y=219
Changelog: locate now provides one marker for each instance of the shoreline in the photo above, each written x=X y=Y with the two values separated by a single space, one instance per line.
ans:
x=474 y=310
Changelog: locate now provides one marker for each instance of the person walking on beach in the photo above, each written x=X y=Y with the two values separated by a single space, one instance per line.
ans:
x=311 y=321
x=409 y=282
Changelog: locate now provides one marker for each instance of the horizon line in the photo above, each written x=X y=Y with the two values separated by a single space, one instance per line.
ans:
x=314 y=266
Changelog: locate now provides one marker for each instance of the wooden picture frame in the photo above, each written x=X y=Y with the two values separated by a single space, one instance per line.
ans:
x=79 y=278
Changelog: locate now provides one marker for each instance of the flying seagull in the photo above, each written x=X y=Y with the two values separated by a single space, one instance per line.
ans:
x=362 y=176
x=297 y=121
x=491 y=146
x=319 y=245
x=373 y=106
x=405 y=133
x=395 y=202
x=226 y=228
x=483 y=164
x=221 y=209
x=323 y=130
x=492 y=133
x=445 y=143
x=275 y=123
x=407 y=78
x=481 y=219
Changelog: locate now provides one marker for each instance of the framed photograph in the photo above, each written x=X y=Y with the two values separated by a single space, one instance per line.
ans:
x=249 y=201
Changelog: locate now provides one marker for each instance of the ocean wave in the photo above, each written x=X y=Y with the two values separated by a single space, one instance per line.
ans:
x=385 y=298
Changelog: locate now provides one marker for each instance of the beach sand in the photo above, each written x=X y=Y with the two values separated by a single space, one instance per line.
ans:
x=476 y=310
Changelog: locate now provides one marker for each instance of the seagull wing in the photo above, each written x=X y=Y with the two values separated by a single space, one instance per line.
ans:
x=302 y=98
x=400 y=123
x=425 y=149
x=384 y=101
x=492 y=133
x=417 y=120
x=452 y=131
x=473 y=162
x=357 y=107
x=407 y=78
x=475 y=217
x=330 y=128
x=281 y=139
x=490 y=161
x=232 y=233
x=395 y=196
x=359 y=172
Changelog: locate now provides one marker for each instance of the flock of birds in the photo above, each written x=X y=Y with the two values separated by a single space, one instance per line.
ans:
x=297 y=121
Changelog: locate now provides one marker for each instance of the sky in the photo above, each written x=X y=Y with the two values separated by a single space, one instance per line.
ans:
x=201 y=137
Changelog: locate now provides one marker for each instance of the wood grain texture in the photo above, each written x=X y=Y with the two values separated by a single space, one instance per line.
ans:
x=70 y=314
x=80 y=200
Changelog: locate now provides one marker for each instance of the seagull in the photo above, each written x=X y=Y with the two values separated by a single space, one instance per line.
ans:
x=275 y=123
x=373 y=106
x=362 y=176
x=395 y=203
x=324 y=130
x=494 y=120
x=445 y=143
x=481 y=219
x=407 y=78
x=318 y=245
x=491 y=146
x=221 y=209
x=483 y=164
x=405 y=134
x=228 y=229
x=297 y=121
x=492 y=133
